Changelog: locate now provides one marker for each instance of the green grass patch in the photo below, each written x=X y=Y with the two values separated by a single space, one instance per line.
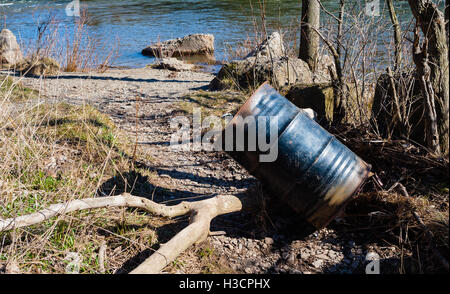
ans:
x=15 y=91
x=212 y=103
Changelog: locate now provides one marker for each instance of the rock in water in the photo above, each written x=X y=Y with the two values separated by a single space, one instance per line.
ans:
x=10 y=53
x=196 y=44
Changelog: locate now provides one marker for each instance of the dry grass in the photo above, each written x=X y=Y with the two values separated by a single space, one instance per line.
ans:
x=407 y=183
x=54 y=152
x=212 y=103
x=75 y=48
x=14 y=91
x=84 y=52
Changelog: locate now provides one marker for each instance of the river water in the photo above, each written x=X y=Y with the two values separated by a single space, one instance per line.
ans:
x=137 y=23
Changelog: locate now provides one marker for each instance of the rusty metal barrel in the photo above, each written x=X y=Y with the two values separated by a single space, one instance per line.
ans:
x=313 y=173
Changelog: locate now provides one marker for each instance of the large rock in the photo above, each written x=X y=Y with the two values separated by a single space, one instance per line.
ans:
x=273 y=46
x=268 y=62
x=10 y=53
x=252 y=72
x=318 y=97
x=196 y=44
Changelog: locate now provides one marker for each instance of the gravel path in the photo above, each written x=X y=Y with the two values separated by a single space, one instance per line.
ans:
x=244 y=247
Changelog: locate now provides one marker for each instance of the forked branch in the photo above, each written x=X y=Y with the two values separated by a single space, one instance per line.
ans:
x=202 y=212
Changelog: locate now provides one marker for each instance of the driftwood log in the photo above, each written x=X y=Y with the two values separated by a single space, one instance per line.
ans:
x=201 y=212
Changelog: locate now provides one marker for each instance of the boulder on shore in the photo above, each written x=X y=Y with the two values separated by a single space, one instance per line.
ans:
x=268 y=62
x=318 y=97
x=196 y=44
x=273 y=46
x=44 y=66
x=172 y=64
x=10 y=53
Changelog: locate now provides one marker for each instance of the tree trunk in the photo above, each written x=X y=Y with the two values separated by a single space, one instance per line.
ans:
x=432 y=23
x=309 y=40
x=340 y=97
x=397 y=35
x=421 y=59
x=447 y=18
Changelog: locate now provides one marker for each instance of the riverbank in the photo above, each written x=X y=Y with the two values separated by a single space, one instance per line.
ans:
x=141 y=102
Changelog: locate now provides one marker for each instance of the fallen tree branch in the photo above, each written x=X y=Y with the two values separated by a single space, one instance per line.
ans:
x=123 y=200
x=202 y=212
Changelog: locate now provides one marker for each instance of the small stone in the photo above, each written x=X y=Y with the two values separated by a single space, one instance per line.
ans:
x=248 y=270
x=291 y=259
x=304 y=255
x=12 y=268
x=317 y=263
x=323 y=256
x=268 y=241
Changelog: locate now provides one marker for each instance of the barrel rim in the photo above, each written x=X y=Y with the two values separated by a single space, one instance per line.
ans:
x=351 y=196
x=248 y=101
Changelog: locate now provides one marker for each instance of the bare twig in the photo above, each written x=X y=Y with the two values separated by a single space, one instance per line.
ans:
x=101 y=257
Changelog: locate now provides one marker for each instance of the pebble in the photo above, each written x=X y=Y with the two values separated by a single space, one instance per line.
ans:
x=323 y=256
x=291 y=259
x=268 y=241
x=317 y=263
x=304 y=255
